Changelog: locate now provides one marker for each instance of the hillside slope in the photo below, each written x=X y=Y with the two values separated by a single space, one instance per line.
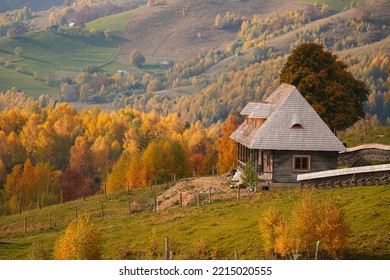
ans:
x=179 y=30
x=49 y=53
x=217 y=229
x=35 y=5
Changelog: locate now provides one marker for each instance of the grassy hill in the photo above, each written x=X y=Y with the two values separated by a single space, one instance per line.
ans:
x=48 y=52
x=35 y=5
x=337 y=5
x=371 y=134
x=218 y=228
x=115 y=23
x=171 y=31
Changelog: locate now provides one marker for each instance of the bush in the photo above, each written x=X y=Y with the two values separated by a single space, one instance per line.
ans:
x=311 y=221
x=81 y=241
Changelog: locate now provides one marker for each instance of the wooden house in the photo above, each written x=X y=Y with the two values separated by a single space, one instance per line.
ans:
x=285 y=137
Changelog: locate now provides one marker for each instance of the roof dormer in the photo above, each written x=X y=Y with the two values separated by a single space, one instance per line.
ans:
x=296 y=122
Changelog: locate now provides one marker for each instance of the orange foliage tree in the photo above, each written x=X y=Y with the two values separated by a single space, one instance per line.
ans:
x=226 y=147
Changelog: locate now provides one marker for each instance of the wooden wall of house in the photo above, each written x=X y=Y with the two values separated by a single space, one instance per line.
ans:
x=283 y=164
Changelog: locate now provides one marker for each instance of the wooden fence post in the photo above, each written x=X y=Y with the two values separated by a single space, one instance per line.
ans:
x=236 y=255
x=352 y=180
x=128 y=210
x=166 y=248
x=317 y=247
x=181 y=200
x=171 y=255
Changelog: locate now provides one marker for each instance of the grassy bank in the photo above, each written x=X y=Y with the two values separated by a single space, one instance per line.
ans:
x=220 y=227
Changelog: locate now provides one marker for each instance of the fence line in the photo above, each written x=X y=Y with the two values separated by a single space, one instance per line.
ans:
x=44 y=219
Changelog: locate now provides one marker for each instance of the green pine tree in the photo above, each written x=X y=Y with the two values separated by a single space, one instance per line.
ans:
x=249 y=175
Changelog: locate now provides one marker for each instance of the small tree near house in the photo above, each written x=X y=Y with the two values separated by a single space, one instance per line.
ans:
x=249 y=175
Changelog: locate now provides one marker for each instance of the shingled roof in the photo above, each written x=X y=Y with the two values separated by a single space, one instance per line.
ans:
x=282 y=109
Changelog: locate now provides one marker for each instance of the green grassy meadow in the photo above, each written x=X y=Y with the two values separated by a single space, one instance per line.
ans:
x=9 y=78
x=221 y=227
x=372 y=134
x=48 y=52
x=336 y=5
x=59 y=55
x=115 y=23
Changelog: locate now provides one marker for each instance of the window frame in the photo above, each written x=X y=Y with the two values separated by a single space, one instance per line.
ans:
x=301 y=169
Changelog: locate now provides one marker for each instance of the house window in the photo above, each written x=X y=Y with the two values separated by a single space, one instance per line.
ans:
x=297 y=125
x=301 y=163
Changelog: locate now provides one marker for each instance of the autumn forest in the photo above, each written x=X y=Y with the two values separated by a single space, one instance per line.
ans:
x=54 y=155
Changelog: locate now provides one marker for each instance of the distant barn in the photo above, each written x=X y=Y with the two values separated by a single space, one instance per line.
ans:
x=285 y=137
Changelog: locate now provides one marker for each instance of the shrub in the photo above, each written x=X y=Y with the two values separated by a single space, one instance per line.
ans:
x=81 y=241
x=311 y=221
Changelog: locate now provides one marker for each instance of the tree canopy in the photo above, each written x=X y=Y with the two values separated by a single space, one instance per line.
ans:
x=326 y=84
x=136 y=58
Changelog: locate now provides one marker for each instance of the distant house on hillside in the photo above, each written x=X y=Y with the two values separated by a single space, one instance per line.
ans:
x=285 y=137
x=123 y=72
x=165 y=64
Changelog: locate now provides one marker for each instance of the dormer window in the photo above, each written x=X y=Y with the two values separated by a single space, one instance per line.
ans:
x=297 y=125
x=296 y=122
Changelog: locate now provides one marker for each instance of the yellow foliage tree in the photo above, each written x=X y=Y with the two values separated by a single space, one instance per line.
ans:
x=333 y=231
x=312 y=221
x=81 y=241
x=269 y=224
x=305 y=221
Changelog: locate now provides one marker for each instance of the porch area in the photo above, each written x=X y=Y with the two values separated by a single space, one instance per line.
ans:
x=262 y=161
